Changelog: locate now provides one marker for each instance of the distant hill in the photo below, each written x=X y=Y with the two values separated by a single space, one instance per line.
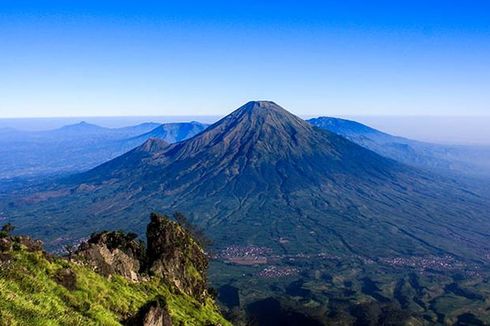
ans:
x=173 y=132
x=82 y=127
x=460 y=159
x=265 y=177
x=78 y=147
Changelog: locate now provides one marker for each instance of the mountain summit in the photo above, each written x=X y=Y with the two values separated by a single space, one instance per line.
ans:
x=259 y=144
x=263 y=176
x=262 y=125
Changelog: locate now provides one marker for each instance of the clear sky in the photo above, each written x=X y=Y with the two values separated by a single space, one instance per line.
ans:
x=103 y=58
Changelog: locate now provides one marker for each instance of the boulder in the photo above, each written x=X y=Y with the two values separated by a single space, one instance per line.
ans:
x=5 y=244
x=30 y=244
x=111 y=253
x=154 y=313
x=67 y=278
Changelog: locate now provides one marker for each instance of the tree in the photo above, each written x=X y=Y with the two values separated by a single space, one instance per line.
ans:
x=70 y=250
x=6 y=230
x=9 y=228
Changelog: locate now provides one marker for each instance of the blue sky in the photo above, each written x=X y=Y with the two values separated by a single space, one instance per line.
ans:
x=106 y=58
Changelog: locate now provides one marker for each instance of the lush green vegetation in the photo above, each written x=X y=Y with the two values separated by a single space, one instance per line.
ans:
x=331 y=210
x=347 y=291
x=31 y=295
x=262 y=176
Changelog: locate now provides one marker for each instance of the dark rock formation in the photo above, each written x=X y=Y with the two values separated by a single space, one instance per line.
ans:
x=114 y=253
x=174 y=255
x=29 y=243
x=154 y=313
x=5 y=244
x=146 y=301
x=67 y=278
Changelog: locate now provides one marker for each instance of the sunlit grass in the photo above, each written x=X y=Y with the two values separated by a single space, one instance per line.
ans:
x=30 y=295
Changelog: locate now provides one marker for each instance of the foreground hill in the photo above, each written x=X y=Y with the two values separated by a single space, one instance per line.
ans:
x=462 y=159
x=263 y=176
x=110 y=280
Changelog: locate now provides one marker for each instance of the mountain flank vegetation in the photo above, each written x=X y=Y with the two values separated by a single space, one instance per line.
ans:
x=262 y=176
x=111 y=279
x=304 y=222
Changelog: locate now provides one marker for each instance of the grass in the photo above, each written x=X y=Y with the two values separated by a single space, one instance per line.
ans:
x=30 y=295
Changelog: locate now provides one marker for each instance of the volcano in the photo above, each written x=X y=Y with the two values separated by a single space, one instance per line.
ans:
x=263 y=176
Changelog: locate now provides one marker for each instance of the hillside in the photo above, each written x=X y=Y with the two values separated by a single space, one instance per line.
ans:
x=173 y=132
x=465 y=160
x=262 y=176
x=103 y=282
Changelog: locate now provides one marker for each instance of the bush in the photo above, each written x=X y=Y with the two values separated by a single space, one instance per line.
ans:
x=7 y=229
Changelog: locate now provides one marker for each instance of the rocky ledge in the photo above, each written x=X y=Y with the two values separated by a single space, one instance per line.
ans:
x=172 y=255
x=111 y=277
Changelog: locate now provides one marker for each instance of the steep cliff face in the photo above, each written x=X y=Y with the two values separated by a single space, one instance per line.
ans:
x=176 y=257
x=173 y=256
x=109 y=280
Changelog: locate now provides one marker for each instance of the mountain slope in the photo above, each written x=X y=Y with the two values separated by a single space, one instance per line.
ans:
x=461 y=159
x=174 y=132
x=263 y=176
x=93 y=286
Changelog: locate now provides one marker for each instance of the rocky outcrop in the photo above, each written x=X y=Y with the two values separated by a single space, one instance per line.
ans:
x=7 y=242
x=29 y=243
x=112 y=253
x=176 y=257
x=148 y=301
x=67 y=278
x=173 y=255
x=154 y=313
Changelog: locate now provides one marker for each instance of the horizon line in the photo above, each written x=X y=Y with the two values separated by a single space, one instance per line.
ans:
x=225 y=114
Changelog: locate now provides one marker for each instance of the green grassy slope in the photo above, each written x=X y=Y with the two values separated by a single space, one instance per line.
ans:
x=30 y=295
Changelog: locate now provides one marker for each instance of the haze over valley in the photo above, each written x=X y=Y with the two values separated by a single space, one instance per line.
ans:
x=248 y=163
x=296 y=195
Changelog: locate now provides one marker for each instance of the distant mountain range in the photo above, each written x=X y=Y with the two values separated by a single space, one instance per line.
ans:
x=78 y=147
x=465 y=160
x=173 y=132
x=82 y=146
x=262 y=176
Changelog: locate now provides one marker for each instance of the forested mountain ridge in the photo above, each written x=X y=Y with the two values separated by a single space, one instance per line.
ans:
x=266 y=177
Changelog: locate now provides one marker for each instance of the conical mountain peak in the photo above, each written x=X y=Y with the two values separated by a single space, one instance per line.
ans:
x=262 y=117
x=262 y=174
x=83 y=125
x=260 y=108
x=257 y=126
